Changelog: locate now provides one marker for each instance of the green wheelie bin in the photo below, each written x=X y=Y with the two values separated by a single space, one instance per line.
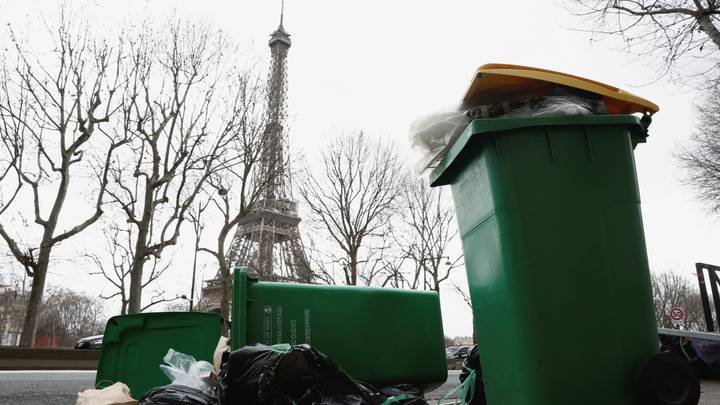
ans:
x=549 y=214
x=134 y=346
x=378 y=335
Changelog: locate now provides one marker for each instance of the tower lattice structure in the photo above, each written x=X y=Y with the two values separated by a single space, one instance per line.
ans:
x=267 y=240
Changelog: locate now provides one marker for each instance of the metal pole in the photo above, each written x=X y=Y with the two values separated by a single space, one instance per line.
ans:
x=700 y=268
x=192 y=284
x=714 y=282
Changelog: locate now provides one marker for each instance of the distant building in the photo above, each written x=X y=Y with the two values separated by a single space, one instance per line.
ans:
x=462 y=341
x=12 y=312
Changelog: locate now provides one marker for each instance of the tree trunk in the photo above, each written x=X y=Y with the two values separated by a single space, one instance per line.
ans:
x=135 y=299
x=709 y=28
x=353 y=267
x=225 y=296
x=136 y=270
x=40 y=271
x=123 y=308
x=36 y=294
x=225 y=277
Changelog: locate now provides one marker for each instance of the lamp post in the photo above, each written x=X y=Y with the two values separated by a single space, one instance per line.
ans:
x=184 y=297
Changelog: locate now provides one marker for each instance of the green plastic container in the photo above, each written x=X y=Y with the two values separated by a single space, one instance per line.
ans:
x=378 y=335
x=134 y=346
x=549 y=214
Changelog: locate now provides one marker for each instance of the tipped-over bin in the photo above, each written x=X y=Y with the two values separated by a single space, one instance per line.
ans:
x=378 y=335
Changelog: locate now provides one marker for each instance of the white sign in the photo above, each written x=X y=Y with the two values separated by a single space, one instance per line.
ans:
x=677 y=315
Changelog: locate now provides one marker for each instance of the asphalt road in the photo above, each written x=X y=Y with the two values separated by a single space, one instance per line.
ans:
x=43 y=387
x=61 y=387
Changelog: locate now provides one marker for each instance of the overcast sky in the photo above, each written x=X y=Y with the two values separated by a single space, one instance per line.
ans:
x=377 y=65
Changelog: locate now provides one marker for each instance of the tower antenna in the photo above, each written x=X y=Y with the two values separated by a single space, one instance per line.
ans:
x=282 y=11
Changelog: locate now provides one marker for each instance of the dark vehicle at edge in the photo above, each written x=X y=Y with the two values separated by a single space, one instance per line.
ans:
x=90 y=343
x=457 y=352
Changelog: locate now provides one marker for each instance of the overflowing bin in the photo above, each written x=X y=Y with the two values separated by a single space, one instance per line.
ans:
x=549 y=214
x=381 y=336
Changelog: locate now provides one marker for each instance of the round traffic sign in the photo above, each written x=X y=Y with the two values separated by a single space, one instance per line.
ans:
x=677 y=314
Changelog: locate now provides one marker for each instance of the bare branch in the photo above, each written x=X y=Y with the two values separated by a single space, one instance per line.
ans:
x=683 y=34
x=353 y=198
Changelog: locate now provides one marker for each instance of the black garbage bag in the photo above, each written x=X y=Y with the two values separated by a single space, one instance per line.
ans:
x=178 y=395
x=403 y=394
x=241 y=372
x=261 y=375
x=702 y=355
x=475 y=394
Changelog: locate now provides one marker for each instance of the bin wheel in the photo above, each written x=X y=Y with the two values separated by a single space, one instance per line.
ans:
x=666 y=379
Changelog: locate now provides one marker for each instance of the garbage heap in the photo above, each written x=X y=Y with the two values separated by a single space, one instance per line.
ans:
x=258 y=375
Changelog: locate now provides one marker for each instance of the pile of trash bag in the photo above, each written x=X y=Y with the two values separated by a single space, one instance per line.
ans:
x=283 y=374
x=267 y=375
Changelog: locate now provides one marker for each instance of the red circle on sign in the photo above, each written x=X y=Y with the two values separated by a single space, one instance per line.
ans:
x=677 y=314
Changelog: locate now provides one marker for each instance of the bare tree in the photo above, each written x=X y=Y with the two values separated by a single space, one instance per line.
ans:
x=321 y=260
x=672 y=29
x=235 y=191
x=70 y=316
x=468 y=301
x=116 y=270
x=353 y=197
x=701 y=158
x=196 y=216
x=463 y=294
x=394 y=271
x=51 y=112
x=673 y=290
x=168 y=113
x=429 y=229
x=115 y=266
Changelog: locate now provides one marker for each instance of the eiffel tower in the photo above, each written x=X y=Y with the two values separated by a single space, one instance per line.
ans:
x=268 y=240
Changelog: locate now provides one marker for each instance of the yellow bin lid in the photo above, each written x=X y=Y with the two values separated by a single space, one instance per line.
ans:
x=495 y=82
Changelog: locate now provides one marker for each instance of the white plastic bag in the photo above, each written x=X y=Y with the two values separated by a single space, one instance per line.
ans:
x=183 y=369
x=222 y=347
x=433 y=134
x=116 y=394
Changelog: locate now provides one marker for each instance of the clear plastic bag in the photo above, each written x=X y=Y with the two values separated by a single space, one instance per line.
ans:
x=433 y=134
x=183 y=369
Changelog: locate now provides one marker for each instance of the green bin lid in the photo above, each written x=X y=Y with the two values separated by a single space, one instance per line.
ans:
x=134 y=346
x=441 y=174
